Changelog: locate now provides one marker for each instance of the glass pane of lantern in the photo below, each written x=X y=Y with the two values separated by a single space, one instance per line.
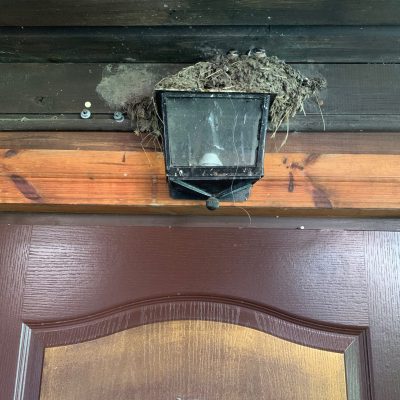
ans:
x=213 y=131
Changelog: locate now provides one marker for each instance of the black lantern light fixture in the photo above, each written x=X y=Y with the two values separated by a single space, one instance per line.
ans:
x=214 y=118
x=214 y=143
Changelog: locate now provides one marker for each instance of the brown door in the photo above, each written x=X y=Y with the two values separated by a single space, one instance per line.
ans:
x=197 y=310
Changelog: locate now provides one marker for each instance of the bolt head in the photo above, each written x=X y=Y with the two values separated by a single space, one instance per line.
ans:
x=85 y=114
x=118 y=116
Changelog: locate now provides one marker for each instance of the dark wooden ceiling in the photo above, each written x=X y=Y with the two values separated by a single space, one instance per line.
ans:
x=183 y=44
x=53 y=55
x=195 y=12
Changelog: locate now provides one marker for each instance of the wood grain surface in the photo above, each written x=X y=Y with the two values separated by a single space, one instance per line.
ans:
x=206 y=12
x=182 y=44
x=298 y=142
x=195 y=311
x=145 y=263
x=134 y=181
x=192 y=360
x=14 y=251
x=83 y=280
x=74 y=289
x=51 y=96
x=104 y=122
x=383 y=269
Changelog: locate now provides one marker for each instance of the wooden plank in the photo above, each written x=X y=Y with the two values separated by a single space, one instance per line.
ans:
x=353 y=89
x=206 y=12
x=104 y=122
x=66 y=122
x=110 y=181
x=345 y=122
x=303 y=142
x=336 y=143
x=51 y=96
x=180 y=44
x=64 y=88
x=125 y=141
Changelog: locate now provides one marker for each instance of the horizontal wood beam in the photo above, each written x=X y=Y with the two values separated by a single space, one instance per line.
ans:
x=297 y=142
x=134 y=182
x=51 y=96
x=194 y=12
x=182 y=44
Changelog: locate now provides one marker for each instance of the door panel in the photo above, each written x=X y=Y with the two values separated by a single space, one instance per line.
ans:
x=331 y=294
x=192 y=348
x=84 y=270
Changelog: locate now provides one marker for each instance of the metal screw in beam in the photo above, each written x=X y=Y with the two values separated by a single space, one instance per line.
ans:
x=118 y=116
x=85 y=113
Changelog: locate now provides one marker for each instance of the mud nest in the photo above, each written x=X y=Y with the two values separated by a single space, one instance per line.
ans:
x=224 y=74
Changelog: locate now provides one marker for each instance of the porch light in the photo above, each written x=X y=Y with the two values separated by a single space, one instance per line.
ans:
x=214 y=143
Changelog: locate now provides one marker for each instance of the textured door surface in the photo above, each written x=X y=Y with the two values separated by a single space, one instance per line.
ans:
x=93 y=311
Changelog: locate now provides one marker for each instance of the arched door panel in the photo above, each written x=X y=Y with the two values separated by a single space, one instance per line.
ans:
x=193 y=349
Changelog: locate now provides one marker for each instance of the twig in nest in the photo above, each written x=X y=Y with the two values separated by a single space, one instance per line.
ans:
x=286 y=136
x=320 y=110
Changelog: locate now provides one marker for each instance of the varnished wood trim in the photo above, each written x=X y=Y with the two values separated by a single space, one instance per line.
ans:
x=297 y=142
x=134 y=182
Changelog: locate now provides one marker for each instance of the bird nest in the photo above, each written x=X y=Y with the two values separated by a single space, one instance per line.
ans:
x=246 y=74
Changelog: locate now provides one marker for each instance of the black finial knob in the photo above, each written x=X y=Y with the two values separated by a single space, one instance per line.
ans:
x=212 y=203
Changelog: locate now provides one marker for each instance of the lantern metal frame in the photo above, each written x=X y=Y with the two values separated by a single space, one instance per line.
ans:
x=225 y=183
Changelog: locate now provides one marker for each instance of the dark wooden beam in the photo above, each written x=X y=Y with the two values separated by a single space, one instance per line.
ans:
x=180 y=44
x=192 y=12
x=51 y=96
x=105 y=123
